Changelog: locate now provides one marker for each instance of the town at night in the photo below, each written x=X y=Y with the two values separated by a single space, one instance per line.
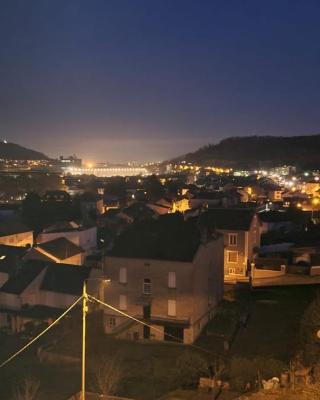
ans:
x=159 y=200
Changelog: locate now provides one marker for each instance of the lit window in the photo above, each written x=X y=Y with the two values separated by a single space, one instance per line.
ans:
x=147 y=286
x=172 y=280
x=232 y=256
x=123 y=302
x=123 y=275
x=172 y=308
x=233 y=239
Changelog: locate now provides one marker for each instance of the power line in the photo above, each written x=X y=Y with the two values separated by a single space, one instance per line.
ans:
x=146 y=324
x=105 y=305
x=41 y=333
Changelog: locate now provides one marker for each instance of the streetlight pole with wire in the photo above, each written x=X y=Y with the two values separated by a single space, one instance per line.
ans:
x=84 y=328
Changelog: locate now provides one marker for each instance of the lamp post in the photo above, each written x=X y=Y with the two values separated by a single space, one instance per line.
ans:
x=84 y=321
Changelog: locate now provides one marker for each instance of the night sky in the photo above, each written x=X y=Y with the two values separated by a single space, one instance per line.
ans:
x=120 y=80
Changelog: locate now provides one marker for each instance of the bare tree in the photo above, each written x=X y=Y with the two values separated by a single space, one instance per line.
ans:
x=107 y=374
x=28 y=390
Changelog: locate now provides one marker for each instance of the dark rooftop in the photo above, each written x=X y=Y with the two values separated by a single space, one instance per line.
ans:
x=18 y=251
x=228 y=218
x=66 y=226
x=168 y=238
x=282 y=216
x=18 y=282
x=11 y=227
x=138 y=210
x=65 y=278
x=61 y=248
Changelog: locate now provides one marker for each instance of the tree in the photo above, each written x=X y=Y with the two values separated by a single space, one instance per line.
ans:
x=116 y=187
x=154 y=188
x=107 y=375
x=190 y=367
x=32 y=210
x=309 y=332
x=243 y=371
x=28 y=390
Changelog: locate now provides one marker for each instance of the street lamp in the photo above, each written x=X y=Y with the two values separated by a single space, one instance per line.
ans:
x=84 y=317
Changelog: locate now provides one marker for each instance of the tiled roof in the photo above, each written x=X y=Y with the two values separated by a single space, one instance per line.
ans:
x=168 y=238
x=65 y=278
x=228 y=218
x=9 y=227
x=61 y=248
x=60 y=278
x=38 y=311
x=18 y=251
x=19 y=281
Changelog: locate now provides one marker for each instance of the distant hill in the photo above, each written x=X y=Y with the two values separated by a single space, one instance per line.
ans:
x=259 y=151
x=12 y=151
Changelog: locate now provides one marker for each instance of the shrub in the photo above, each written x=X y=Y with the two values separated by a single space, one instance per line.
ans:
x=190 y=367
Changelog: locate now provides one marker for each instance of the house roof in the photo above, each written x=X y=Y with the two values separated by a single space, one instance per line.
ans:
x=274 y=216
x=10 y=256
x=216 y=195
x=62 y=226
x=90 y=197
x=228 y=218
x=168 y=238
x=12 y=227
x=66 y=226
x=138 y=210
x=38 y=311
x=282 y=216
x=19 y=281
x=18 y=251
x=60 y=278
x=65 y=278
x=5 y=265
x=60 y=248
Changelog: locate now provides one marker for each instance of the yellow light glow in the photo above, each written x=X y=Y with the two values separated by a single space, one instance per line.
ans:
x=89 y=165
x=315 y=201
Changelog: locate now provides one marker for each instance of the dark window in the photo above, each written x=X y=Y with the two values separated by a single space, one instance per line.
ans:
x=147 y=286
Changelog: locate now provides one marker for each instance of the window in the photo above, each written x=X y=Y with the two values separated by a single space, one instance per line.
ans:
x=147 y=286
x=233 y=239
x=123 y=302
x=232 y=256
x=172 y=308
x=172 y=280
x=111 y=322
x=123 y=275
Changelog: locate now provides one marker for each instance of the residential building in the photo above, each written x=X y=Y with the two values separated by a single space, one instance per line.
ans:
x=241 y=231
x=164 y=274
x=84 y=236
x=14 y=233
x=91 y=205
x=37 y=291
x=181 y=204
x=60 y=250
x=56 y=195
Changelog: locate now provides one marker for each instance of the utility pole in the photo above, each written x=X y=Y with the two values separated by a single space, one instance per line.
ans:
x=84 y=315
